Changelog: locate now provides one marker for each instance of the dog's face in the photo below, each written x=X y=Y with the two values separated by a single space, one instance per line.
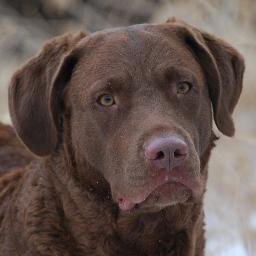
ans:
x=137 y=108
x=141 y=115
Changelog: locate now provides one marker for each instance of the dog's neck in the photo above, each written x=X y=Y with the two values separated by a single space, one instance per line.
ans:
x=93 y=219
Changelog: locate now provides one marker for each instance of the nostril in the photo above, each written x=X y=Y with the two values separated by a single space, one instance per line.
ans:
x=179 y=153
x=160 y=155
x=120 y=200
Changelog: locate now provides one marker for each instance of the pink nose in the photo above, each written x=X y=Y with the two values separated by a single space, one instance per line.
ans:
x=166 y=152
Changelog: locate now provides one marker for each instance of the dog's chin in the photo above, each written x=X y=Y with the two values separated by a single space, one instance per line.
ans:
x=164 y=196
x=167 y=195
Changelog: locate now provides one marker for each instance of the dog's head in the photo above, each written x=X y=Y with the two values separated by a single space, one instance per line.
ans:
x=136 y=103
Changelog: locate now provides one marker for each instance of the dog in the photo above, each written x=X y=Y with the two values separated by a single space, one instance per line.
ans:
x=120 y=126
x=13 y=154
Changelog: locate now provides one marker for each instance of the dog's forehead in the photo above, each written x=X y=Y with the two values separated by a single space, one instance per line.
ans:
x=133 y=50
x=135 y=42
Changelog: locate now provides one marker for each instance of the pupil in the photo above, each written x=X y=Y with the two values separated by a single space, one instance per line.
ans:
x=183 y=87
x=107 y=98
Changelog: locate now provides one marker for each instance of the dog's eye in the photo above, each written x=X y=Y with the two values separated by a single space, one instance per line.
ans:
x=106 y=100
x=183 y=88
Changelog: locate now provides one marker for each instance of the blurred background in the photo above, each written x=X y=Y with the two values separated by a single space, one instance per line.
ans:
x=230 y=202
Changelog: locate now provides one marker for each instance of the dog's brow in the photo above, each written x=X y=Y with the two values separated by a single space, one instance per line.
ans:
x=173 y=73
x=112 y=83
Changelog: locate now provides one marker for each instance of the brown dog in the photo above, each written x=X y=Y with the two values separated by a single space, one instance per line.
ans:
x=13 y=154
x=122 y=122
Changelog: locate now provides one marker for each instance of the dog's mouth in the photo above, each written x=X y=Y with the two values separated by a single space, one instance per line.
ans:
x=166 y=189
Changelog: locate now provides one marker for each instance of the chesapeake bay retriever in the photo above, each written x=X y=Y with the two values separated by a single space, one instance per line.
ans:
x=121 y=124
x=13 y=154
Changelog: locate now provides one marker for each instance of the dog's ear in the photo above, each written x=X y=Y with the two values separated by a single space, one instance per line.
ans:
x=223 y=67
x=34 y=96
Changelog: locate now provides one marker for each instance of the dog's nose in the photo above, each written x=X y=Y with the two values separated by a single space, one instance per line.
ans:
x=166 y=152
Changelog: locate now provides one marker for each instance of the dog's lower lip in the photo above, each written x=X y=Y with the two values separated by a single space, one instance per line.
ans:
x=175 y=182
x=170 y=185
x=135 y=206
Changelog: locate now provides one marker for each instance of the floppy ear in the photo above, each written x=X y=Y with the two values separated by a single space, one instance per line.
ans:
x=34 y=96
x=223 y=67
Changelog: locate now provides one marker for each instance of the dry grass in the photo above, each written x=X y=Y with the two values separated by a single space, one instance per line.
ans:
x=231 y=196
